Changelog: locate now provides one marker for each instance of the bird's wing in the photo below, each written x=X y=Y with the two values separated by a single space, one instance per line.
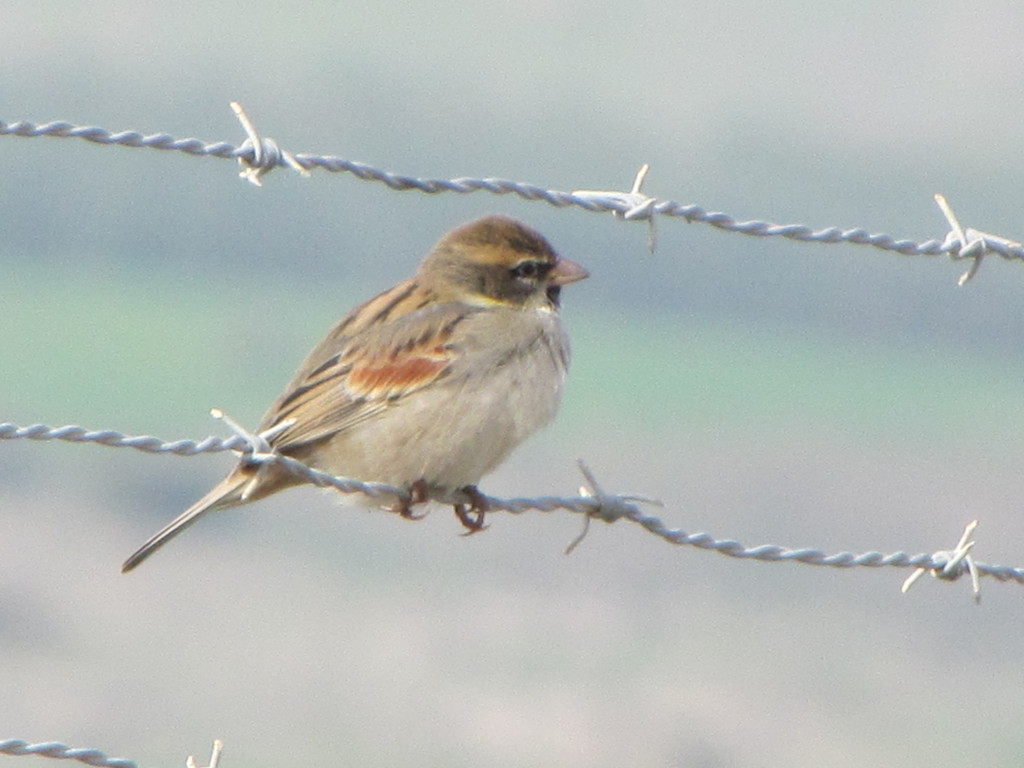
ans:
x=370 y=362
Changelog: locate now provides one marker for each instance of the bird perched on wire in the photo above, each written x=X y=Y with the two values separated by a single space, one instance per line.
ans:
x=428 y=386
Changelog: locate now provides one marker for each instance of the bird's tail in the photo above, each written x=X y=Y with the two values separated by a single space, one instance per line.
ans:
x=227 y=493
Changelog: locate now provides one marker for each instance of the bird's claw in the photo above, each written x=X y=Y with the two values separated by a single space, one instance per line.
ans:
x=418 y=494
x=472 y=518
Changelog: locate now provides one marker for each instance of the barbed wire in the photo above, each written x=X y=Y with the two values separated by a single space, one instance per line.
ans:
x=593 y=503
x=258 y=155
x=58 y=751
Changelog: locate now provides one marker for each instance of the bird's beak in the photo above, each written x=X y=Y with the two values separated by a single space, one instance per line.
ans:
x=566 y=272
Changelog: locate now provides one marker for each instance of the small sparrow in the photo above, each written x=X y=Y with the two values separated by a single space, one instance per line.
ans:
x=429 y=386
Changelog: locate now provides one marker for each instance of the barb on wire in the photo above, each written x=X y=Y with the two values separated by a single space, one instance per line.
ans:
x=258 y=155
x=972 y=243
x=950 y=565
x=592 y=502
x=609 y=508
x=641 y=207
x=218 y=747
x=58 y=751
x=266 y=154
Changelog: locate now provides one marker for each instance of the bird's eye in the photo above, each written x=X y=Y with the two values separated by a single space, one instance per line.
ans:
x=529 y=269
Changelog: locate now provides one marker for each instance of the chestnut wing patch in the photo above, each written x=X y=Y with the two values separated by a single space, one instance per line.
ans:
x=394 y=375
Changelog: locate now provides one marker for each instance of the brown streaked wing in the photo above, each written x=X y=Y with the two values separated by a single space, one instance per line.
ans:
x=407 y=349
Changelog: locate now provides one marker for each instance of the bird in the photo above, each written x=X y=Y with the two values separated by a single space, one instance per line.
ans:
x=428 y=386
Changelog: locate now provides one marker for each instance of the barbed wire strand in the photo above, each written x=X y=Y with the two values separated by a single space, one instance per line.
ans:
x=58 y=751
x=592 y=502
x=259 y=155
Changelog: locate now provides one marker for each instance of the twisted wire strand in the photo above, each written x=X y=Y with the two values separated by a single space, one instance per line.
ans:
x=75 y=434
x=263 y=154
x=594 y=503
x=58 y=751
x=773 y=553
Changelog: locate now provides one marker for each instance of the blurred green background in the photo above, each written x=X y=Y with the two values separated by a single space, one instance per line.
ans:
x=832 y=397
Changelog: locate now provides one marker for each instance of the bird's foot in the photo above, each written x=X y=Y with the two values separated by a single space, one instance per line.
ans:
x=473 y=517
x=418 y=494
